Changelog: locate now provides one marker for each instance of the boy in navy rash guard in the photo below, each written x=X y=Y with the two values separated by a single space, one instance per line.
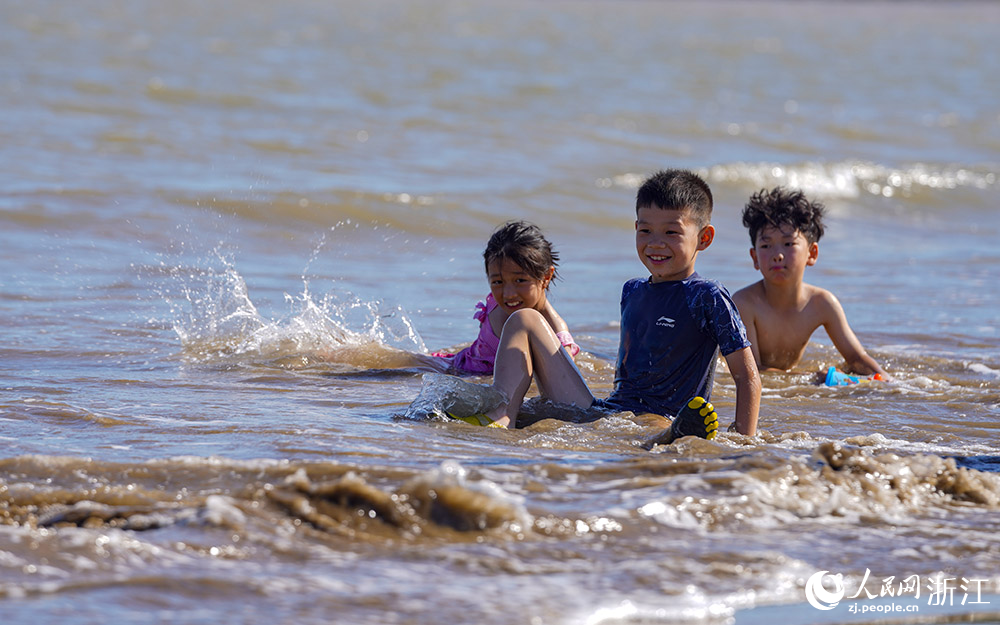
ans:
x=672 y=333
x=674 y=323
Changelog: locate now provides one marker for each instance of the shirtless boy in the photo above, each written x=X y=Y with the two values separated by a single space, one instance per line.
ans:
x=781 y=311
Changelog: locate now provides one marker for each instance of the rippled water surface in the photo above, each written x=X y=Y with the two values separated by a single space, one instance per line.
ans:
x=225 y=229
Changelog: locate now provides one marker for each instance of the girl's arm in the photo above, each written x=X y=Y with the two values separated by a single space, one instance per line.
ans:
x=557 y=323
x=744 y=371
x=561 y=329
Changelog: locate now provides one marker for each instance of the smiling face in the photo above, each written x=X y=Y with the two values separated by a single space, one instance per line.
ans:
x=782 y=254
x=668 y=241
x=514 y=289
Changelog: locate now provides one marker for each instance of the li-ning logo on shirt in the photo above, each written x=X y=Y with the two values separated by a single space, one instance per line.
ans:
x=665 y=322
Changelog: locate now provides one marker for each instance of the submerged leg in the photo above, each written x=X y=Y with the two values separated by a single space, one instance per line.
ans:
x=695 y=418
x=529 y=347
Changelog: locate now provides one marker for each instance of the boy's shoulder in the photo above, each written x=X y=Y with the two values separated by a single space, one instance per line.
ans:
x=823 y=302
x=693 y=283
x=753 y=298
x=750 y=292
x=633 y=283
x=814 y=292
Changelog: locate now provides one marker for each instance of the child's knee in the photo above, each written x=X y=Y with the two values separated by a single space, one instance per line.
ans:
x=526 y=319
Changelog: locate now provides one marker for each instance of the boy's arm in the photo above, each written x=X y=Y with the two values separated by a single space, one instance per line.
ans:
x=744 y=371
x=742 y=301
x=748 y=313
x=844 y=339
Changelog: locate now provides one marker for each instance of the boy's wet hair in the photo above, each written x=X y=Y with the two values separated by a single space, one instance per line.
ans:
x=677 y=189
x=780 y=208
x=523 y=244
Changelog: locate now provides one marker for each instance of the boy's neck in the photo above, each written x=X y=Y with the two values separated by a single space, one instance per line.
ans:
x=787 y=295
x=653 y=280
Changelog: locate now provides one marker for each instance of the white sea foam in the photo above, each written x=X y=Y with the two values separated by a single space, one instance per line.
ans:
x=982 y=369
x=222 y=511
x=849 y=179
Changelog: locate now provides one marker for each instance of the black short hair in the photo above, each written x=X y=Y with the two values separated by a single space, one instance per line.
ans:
x=677 y=189
x=525 y=245
x=782 y=207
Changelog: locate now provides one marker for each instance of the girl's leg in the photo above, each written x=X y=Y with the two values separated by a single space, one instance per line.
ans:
x=426 y=361
x=529 y=347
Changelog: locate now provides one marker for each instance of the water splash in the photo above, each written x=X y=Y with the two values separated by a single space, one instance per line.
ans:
x=441 y=394
x=216 y=319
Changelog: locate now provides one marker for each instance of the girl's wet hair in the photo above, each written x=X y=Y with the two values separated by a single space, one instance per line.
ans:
x=523 y=244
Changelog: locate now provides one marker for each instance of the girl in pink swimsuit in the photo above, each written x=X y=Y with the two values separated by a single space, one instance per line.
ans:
x=520 y=265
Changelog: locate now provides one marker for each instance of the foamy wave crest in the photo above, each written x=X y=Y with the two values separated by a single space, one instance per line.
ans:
x=434 y=503
x=844 y=180
x=848 y=483
x=221 y=321
x=853 y=179
x=984 y=370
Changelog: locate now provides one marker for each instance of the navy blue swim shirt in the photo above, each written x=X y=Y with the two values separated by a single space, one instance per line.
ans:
x=671 y=335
